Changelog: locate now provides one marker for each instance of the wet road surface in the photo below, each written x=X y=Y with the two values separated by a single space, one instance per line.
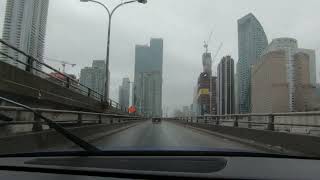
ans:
x=166 y=135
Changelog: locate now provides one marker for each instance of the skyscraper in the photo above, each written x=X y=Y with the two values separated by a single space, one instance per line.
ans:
x=271 y=83
x=312 y=64
x=290 y=48
x=225 y=86
x=252 y=40
x=94 y=77
x=25 y=28
x=147 y=90
x=236 y=96
x=195 y=109
x=124 y=93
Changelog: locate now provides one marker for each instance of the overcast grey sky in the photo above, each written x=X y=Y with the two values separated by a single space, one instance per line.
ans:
x=76 y=32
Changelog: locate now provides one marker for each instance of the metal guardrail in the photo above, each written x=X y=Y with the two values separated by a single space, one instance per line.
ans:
x=62 y=117
x=295 y=122
x=32 y=64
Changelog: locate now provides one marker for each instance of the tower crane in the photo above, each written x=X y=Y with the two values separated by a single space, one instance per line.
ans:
x=63 y=63
x=206 y=46
x=217 y=52
x=206 y=43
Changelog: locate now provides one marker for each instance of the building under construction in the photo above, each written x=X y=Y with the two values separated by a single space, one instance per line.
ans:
x=206 y=94
x=206 y=97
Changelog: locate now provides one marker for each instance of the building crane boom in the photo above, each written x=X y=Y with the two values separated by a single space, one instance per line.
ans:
x=217 y=52
x=206 y=43
x=63 y=63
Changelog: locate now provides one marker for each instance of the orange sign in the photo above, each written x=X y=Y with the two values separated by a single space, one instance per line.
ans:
x=132 y=109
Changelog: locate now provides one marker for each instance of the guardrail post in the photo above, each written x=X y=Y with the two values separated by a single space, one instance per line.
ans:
x=217 y=120
x=68 y=83
x=79 y=121
x=249 y=121
x=271 y=123
x=37 y=126
x=30 y=64
x=100 y=119
x=111 y=120
x=236 y=123
x=89 y=92
x=205 y=119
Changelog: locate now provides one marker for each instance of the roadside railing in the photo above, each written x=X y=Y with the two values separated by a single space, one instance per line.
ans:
x=19 y=120
x=33 y=65
x=296 y=122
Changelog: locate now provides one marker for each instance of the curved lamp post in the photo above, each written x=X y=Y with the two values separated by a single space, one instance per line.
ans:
x=110 y=13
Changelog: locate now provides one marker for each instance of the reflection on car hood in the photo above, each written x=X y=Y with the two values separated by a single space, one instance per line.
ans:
x=182 y=149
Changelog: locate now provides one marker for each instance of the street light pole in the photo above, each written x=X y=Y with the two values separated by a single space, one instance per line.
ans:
x=106 y=91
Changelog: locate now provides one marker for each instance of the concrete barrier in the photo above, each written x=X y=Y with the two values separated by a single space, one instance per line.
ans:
x=35 y=91
x=30 y=142
x=305 y=144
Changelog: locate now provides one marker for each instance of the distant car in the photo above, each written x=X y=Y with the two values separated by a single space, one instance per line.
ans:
x=156 y=120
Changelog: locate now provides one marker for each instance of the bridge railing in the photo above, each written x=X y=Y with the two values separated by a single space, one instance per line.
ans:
x=295 y=122
x=15 y=120
x=33 y=65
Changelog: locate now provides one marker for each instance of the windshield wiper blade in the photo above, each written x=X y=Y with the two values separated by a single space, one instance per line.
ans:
x=75 y=139
x=164 y=153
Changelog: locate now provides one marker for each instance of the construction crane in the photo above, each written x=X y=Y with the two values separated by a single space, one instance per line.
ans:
x=206 y=43
x=206 y=46
x=63 y=63
x=217 y=52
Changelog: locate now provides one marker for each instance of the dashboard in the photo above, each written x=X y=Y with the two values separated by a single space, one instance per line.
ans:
x=150 y=167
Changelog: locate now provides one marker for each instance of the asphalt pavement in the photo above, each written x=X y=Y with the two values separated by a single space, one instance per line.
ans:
x=166 y=135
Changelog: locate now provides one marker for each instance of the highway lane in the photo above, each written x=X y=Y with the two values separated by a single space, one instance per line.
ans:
x=166 y=135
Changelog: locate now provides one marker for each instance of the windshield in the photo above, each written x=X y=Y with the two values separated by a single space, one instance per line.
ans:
x=208 y=75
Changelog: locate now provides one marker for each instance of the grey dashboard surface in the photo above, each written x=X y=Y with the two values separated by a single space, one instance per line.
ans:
x=235 y=167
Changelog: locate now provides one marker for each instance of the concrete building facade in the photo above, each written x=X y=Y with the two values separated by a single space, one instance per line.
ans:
x=194 y=108
x=252 y=40
x=290 y=47
x=225 y=86
x=24 y=28
x=206 y=94
x=124 y=93
x=312 y=64
x=207 y=63
x=271 y=86
x=236 y=94
x=304 y=89
x=94 y=77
